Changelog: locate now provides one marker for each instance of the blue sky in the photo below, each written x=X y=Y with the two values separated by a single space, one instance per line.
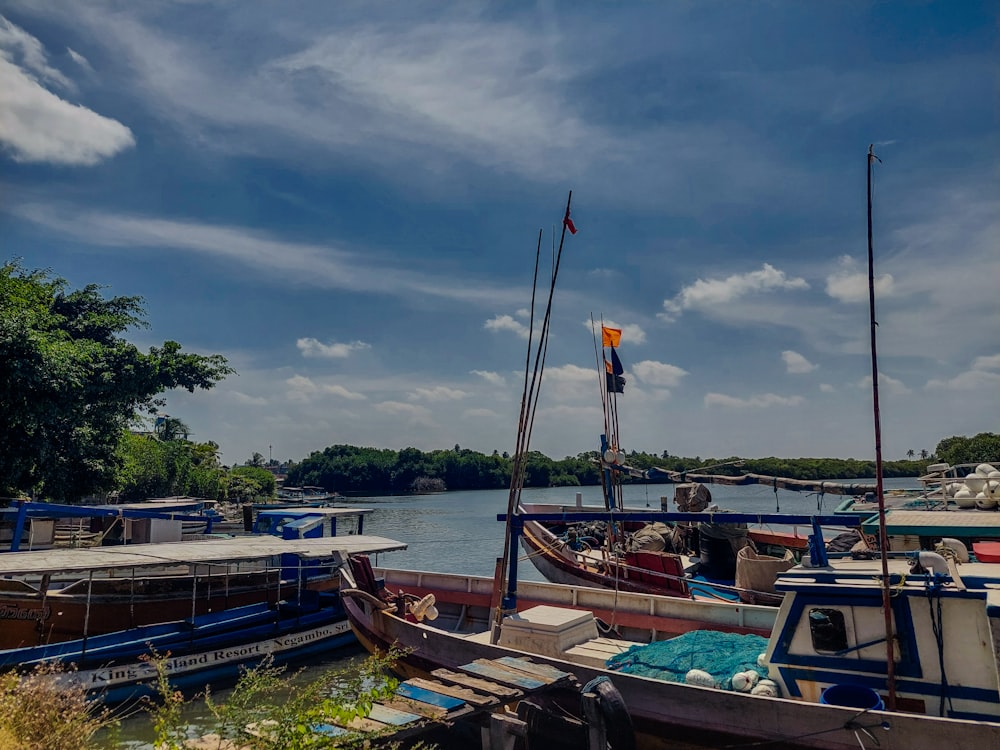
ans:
x=344 y=200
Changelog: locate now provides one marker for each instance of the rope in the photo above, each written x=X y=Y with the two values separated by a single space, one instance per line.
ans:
x=850 y=725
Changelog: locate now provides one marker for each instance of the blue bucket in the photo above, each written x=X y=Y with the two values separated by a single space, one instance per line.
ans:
x=852 y=696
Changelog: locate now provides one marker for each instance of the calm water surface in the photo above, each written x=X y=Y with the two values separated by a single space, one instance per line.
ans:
x=457 y=532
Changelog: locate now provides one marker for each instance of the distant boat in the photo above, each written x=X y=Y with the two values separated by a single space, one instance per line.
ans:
x=306 y=494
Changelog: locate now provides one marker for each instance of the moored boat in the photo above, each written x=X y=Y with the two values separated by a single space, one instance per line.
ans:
x=278 y=599
x=824 y=636
x=66 y=594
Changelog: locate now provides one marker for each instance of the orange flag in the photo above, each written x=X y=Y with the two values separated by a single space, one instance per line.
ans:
x=611 y=336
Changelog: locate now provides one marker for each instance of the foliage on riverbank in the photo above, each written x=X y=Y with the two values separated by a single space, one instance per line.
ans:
x=268 y=710
x=374 y=471
x=38 y=712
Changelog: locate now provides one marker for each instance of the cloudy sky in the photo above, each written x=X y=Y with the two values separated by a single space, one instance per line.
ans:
x=344 y=199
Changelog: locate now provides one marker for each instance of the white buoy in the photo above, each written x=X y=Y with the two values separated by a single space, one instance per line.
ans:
x=985 y=502
x=766 y=687
x=741 y=683
x=762 y=660
x=995 y=474
x=975 y=483
x=964 y=498
x=955 y=546
x=984 y=470
x=701 y=678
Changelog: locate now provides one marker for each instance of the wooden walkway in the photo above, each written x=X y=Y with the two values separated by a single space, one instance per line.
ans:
x=420 y=706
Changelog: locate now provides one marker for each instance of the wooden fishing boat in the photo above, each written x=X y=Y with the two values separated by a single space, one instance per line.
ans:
x=699 y=557
x=822 y=651
x=290 y=618
x=66 y=594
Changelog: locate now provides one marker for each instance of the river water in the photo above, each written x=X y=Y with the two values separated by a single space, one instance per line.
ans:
x=458 y=532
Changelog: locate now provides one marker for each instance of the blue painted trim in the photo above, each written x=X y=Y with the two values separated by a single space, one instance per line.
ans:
x=923 y=688
x=909 y=661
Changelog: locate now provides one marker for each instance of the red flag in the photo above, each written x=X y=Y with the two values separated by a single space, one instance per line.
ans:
x=568 y=223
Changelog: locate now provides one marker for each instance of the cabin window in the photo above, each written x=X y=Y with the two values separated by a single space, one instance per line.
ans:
x=828 y=630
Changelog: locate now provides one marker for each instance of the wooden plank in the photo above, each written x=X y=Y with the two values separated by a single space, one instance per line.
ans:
x=411 y=706
x=497 y=673
x=534 y=668
x=329 y=730
x=515 y=666
x=417 y=693
x=501 y=691
x=469 y=696
x=386 y=715
x=360 y=724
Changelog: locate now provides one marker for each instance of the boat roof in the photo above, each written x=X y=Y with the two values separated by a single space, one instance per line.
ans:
x=867 y=574
x=303 y=512
x=169 y=553
x=929 y=522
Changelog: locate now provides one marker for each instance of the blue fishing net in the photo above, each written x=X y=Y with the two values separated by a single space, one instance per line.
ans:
x=720 y=654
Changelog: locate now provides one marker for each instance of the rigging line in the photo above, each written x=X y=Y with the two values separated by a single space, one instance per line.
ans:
x=516 y=467
x=530 y=399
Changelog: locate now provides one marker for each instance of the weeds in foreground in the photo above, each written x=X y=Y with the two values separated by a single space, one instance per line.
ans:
x=267 y=711
x=47 y=710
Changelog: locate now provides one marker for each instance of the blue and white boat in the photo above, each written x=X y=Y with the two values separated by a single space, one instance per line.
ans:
x=294 y=611
x=821 y=676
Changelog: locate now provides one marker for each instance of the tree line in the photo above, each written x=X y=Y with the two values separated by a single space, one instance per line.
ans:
x=373 y=471
x=75 y=394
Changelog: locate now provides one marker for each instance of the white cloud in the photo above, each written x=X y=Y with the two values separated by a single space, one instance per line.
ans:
x=886 y=384
x=79 y=59
x=506 y=323
x=796 y=363
x=706 y=294
x=311 y=348
x=762 y=401
x=447 y=85
x=850 y=285
x=658 y=374
x=413 y=412
x=493 y=378
x=571 y=374
x=987 y=363
x=342 y=392
x=438 y=393
x=17 y=44
x=38 y=126
x=324 y=266
x=302 y=388
x=827 y=388
x=980 y=375
x=488 y=413
x=246 y=400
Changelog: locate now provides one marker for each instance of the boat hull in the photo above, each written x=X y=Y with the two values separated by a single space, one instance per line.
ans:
x=30 y=617
x=661 y=711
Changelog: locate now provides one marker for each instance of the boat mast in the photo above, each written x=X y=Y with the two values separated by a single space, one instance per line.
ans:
x=883 y=539
x=505 y=581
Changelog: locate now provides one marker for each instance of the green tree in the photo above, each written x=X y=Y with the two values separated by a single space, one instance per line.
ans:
x=984 y=447
x=70 y=384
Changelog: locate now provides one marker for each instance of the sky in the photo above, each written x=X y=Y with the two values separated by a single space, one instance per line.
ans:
x=344 y=199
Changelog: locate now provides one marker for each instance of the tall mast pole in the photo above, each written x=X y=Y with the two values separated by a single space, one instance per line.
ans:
x=883 y=538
